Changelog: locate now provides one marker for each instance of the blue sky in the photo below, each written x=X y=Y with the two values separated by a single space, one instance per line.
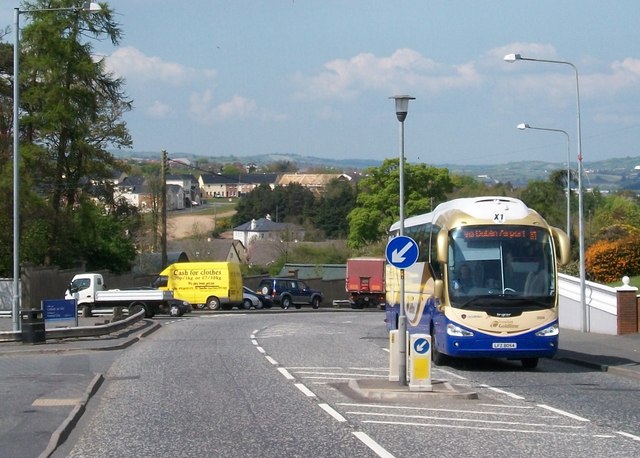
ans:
x=313 y=77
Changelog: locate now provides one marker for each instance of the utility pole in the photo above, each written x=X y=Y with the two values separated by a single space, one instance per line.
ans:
x=163 y=204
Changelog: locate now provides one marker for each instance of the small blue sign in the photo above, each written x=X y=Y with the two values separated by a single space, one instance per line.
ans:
x=421 y=346
x=59 y=309
x=402 y=252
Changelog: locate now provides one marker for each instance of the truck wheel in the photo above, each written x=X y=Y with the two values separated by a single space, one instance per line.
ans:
x=137 y=307
x=315 y=303
x=86 y=311
x=213 y=303
x=246 y=304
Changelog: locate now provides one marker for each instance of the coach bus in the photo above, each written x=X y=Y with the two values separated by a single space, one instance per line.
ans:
x=485 y=282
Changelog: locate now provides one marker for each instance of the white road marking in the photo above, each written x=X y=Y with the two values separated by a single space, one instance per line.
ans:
x=339 y=374
x=497 y=390
x=562 y=412
x=286 y=373
x=453 y=374
x=331 y=411
x=479 y=428
x=305 y=390
x=630 y=436
x=373 y=445
x=271 y=360
x=431 y=409
x=470 y=420
x=261 y=350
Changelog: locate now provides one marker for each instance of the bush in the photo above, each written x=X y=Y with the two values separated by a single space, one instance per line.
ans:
x=609 y=260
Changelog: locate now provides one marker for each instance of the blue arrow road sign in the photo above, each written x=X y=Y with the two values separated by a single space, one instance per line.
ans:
x=402 y=252
x=421 y=346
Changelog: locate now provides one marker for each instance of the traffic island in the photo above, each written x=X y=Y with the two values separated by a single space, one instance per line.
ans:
x=385 y=390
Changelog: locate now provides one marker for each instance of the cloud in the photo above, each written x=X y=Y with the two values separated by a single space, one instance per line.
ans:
x=204 y=110
x=555 y=82
x=158 y=110
x=132 y=64
x=405 y=70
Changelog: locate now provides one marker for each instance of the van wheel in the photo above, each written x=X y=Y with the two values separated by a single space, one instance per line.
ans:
x=213 y=303
x=137 y=307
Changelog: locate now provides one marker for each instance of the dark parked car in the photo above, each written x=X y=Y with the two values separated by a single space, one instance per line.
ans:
x=287 y=291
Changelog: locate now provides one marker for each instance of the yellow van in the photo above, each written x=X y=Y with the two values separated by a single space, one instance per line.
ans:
x=212 y=284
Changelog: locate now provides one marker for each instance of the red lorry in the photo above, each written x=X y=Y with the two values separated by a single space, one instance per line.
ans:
x=365 y=282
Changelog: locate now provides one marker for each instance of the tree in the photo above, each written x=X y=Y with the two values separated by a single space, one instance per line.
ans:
x=293 y=203
x=335 y=204
x=547 y=198
x=71 y=113
x=377 y=202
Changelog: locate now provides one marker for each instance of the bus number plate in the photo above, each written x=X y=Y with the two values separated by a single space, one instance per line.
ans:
x=505 y=345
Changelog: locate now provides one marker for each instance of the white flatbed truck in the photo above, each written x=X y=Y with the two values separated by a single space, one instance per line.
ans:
x=89 y=291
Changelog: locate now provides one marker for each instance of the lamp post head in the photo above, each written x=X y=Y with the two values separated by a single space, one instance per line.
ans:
x=92 y=7
x=402 y=106
x=511 y=58
x=523 y=126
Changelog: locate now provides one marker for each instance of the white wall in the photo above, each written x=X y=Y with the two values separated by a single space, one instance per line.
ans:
x=601 y=306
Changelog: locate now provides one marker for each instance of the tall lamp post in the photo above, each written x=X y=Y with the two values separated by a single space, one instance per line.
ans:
x=524 y=126
x=89 y=7
x=517 y=57
x=402 y=107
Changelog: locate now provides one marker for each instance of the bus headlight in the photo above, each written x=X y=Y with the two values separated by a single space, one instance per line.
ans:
x=457 y=331
x=549 y=332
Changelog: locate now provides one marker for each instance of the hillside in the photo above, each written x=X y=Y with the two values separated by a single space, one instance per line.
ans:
x=608 y=175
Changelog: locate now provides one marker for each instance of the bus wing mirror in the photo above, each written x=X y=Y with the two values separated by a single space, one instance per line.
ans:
x=442 y=246
x=563 y=252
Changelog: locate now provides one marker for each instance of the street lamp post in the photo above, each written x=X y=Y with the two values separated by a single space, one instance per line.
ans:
x=402 y=107
x=90 y=7
x=516 y=57
x=524 y=126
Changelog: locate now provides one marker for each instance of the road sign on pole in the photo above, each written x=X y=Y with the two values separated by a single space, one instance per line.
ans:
x=402 y=252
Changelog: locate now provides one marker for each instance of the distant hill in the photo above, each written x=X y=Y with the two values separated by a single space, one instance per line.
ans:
x=607 y=175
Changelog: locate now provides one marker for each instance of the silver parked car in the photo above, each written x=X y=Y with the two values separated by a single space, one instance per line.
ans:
x=250 y=299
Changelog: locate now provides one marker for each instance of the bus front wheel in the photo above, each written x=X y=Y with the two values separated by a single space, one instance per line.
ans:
x=437 y=358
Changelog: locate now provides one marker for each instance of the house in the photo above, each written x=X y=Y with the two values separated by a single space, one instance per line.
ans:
x=265 y=229
x=224 y=186
x=315 y=182
x=212 y=249
x=138 y=192
x=218 y=186
x=190 y=186
x=250 y=181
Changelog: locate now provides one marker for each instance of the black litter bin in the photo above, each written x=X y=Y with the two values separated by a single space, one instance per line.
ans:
x=33 y=330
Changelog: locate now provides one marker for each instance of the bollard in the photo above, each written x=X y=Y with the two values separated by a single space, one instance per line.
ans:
x=420 y=363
